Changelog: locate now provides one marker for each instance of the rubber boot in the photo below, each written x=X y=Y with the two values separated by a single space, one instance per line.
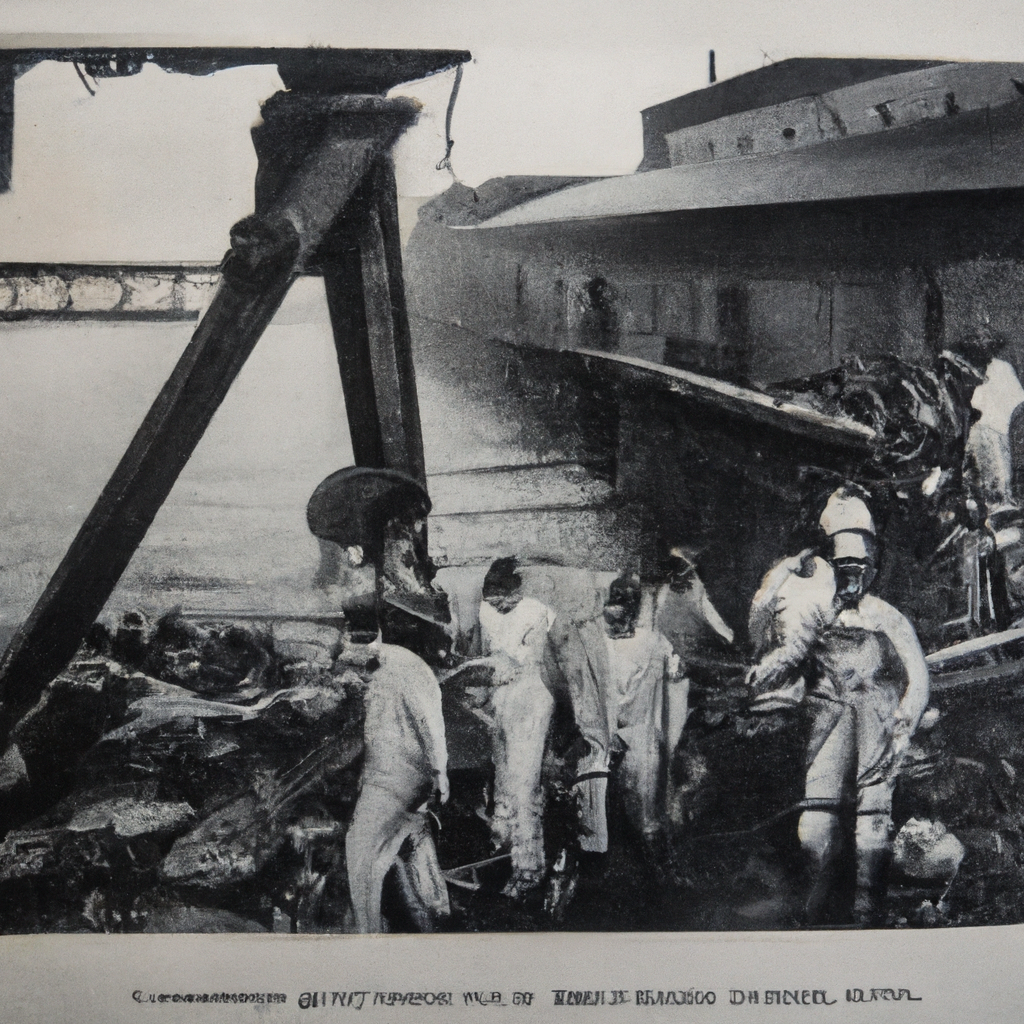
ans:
x=874 y=852
x=821 y=841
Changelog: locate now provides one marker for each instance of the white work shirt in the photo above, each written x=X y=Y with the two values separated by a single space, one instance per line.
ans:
x=404 y=727
x=628 y=661
x=520 y=633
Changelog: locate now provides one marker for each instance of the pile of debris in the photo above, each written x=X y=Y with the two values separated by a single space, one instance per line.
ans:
x=958 y=856
x=188 y=777
x=920 y=416
x=191 y=777
x=180 y=777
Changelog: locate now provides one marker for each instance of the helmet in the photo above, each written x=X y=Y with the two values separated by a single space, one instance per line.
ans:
x=846 y=510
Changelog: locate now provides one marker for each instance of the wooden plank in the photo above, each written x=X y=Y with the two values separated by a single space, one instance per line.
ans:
x=343 y=277
x=982 y=675
x=390 y=341
x=974 y=646
x=335 y=619
x=267 y=253
x=312 y=69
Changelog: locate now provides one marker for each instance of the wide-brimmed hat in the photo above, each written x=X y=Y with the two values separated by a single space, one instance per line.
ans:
x=353 y=506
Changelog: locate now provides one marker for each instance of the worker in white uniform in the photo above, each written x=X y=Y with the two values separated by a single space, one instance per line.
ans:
x=685 y=615
x=514 y=632
x=405 y=765
x=989 y=463
x=619 y=674
x=856 y=665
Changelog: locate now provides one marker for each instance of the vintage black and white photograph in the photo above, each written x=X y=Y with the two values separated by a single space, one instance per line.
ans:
x=499 y=486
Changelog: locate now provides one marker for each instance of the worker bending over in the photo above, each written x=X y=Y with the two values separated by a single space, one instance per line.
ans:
x=405 y=765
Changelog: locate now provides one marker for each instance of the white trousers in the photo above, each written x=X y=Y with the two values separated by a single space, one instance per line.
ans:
x=380 y=826
x=522 y=715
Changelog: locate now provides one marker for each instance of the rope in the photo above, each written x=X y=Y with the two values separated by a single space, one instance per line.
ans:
x=808 y=804
x=445 y=163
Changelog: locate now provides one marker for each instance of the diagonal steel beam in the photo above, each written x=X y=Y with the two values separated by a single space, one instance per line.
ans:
x=315 y=152
x=362 y=270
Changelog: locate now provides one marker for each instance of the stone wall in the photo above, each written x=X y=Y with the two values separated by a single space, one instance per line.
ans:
x=73 y=292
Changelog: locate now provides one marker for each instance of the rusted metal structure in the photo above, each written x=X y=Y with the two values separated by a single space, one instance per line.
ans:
x=325 y=204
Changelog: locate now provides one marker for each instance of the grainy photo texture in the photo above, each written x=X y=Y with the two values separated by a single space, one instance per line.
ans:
x=624 y=553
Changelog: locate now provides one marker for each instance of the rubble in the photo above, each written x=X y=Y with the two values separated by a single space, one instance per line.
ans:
x=186 y=776
x=924 y=850
x=13 y=771
x=130 y=817
x=174 y=758
x=916 y=413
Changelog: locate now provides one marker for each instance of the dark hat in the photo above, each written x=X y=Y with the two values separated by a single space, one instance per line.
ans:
x=502 y=578
x=625 y=591
x=981 y=345
x=353 y=506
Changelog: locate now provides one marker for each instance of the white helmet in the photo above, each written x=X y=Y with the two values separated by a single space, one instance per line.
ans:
x=845 y=511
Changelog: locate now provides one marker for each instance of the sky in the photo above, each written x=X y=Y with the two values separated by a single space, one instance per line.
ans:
x=158 y=166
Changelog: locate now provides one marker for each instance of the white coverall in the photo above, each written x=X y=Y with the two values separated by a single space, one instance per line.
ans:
x=990 y=465
x=521 y=706
x=988 y=443
x=792 y=608
x=618 y=690
x=405 y=761
x=867 y=692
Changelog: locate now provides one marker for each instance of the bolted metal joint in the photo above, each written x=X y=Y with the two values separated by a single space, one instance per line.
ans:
x=260 y=250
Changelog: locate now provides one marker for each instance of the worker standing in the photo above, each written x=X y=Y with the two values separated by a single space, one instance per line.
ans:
x=989 y=469
x=514 y=631
x=405 y=765
x=619 y=675
x=685 y=615
x=855 y=664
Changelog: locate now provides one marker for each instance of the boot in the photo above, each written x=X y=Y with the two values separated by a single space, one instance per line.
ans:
x=874 y=851
x=820 y=839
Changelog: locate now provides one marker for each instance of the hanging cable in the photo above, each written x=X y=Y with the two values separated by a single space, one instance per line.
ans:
x=91 y=90
x=445 y=163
